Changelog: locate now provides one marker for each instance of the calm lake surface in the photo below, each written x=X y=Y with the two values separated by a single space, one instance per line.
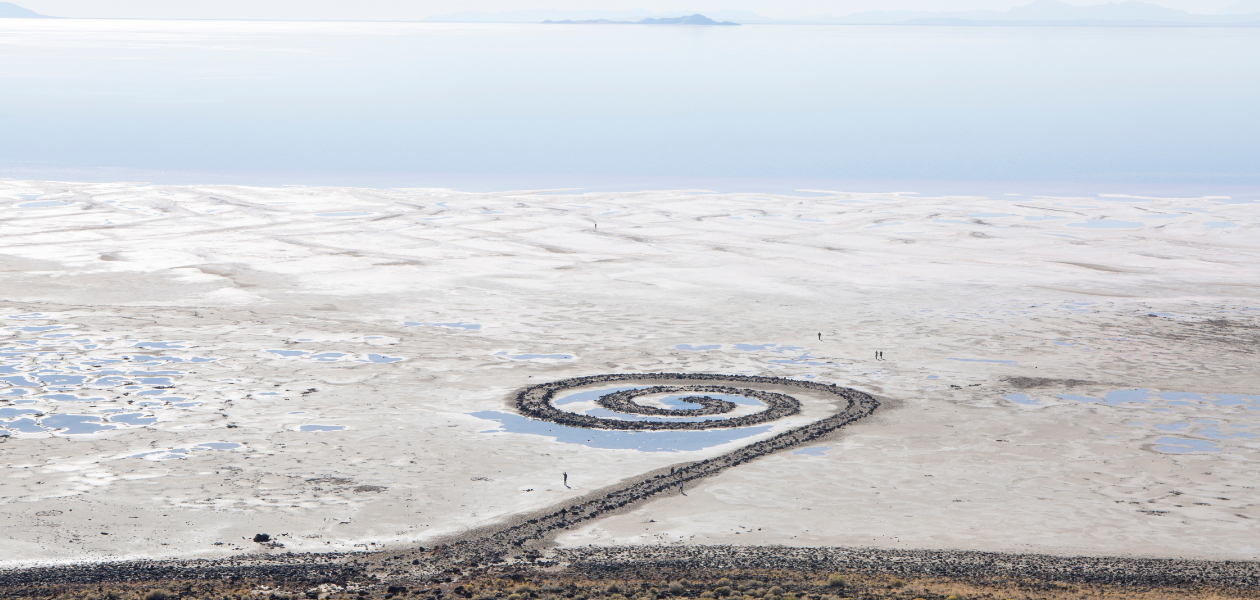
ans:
x=496 y=106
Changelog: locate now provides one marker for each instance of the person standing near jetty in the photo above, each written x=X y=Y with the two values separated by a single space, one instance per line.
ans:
x=566 y=479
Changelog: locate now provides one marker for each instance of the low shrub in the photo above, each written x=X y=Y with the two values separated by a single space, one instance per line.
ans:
x=157 y=595
x=835 y=580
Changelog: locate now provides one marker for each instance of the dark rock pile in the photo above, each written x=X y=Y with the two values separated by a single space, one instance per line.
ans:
x=536 y=401
x=674 y=562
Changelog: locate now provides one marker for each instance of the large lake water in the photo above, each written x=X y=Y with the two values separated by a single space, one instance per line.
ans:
x=485 y=106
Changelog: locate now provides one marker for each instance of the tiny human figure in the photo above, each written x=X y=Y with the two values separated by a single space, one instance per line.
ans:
x=671 y=470
x=680 y=489
x=877 y=355
x=881 y=355
x=566 y=480
x=820 y=336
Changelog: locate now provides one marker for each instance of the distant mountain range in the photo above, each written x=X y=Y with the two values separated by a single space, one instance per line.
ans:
x=1051 y=12
x=687 y=20
x=1040 y=12
x=9 y=10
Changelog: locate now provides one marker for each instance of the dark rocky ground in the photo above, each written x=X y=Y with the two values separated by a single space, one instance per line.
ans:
x=678 y=573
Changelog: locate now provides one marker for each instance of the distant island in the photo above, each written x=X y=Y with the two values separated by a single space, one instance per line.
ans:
x=1130 y=13
x=9 y=10
x=688 y=20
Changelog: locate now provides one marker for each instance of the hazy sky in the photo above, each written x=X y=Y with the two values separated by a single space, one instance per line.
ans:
x=417 y=9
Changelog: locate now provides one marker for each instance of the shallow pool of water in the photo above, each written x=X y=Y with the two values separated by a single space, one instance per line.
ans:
x=1106 y=224
x=504 y=354
x=75 y=424
x=321 y=427
x=133 y=419
x=645 y=441
x=43 y=204
x=457 y=325
x=1176 y=445
x=381 y=358
x=986 y=360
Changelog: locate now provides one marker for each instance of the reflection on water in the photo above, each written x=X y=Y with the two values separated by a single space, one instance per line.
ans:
x=910 y=103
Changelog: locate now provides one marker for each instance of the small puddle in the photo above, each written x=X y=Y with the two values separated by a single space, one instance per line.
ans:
x=43 y=204
x=75 y=424
x=159 y=345
x=37 y=328
x=24 y=425
x=1106 y=224
x=321 y=427
x=504 y=354
x=987 y=360
x=381 y=358
x=458 y=325
x=817 y=451
x=133 y=419
x=1175 y=445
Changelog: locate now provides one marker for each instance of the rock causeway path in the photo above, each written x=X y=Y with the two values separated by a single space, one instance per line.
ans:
x=523 y=537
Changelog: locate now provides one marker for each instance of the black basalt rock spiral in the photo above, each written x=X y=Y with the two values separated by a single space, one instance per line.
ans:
x=492 y=543
x=537 y=401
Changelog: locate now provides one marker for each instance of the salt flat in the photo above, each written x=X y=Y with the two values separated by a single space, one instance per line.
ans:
x=186 y=366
